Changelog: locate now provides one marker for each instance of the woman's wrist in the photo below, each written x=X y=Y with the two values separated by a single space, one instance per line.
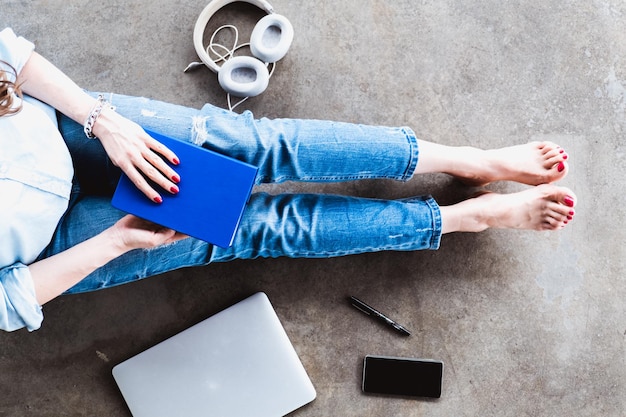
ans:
x=114 y=241
x=100 y=105
x=104 y=122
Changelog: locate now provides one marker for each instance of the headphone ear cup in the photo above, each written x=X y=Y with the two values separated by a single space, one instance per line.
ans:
x=271 y=38
x=243 y=76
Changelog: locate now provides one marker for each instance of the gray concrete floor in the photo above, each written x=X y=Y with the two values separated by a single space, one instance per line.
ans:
x=526 y=323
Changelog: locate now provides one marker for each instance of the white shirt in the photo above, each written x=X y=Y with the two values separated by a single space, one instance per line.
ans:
x=35 y=183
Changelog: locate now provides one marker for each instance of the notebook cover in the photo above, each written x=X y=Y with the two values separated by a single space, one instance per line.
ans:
x=214 y=190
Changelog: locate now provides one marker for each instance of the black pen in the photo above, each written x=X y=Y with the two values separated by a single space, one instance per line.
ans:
x=370 y=311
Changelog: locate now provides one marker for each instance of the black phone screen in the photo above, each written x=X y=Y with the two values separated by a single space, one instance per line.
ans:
x=402 y=376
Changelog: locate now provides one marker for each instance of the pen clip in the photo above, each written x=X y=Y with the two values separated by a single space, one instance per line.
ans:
x=360 y=309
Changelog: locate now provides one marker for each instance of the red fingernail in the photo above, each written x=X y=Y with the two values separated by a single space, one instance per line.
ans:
x=158 y=200
x=176 y=178
x=569 y=201
x=561 y=166
x=175 y=161
x=174 y=189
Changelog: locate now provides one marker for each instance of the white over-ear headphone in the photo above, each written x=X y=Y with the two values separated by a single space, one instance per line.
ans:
x=269 y=42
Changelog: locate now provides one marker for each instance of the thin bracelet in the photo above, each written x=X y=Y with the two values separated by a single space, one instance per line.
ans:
x=93 y=116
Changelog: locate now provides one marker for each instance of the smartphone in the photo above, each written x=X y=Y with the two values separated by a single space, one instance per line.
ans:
x=402 y=376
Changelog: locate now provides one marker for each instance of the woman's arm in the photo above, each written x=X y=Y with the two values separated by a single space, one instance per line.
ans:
x=54 y=275
x=126 y=143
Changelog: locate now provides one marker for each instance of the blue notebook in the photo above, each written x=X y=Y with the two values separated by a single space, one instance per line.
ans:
x=214 y=190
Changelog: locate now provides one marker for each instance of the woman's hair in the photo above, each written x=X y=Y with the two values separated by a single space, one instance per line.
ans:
x=8 y=90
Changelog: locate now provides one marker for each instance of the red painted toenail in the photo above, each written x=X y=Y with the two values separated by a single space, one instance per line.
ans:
x=561 y=166
x=564 y=157
x=569 y=217
x=561 y=151
x=569 y=201
x=571 y=213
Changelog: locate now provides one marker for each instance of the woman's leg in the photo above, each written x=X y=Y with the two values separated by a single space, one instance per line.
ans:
x=544 y=207
x=299 y=225
x=283 y=149
x=323 y=226
x=313 y=150
x=318 y=226
x=533 y=163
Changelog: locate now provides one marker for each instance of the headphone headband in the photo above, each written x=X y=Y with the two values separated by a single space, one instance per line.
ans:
x=203 y=20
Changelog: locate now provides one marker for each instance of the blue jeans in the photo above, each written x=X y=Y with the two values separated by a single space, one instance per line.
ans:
x=293 y=225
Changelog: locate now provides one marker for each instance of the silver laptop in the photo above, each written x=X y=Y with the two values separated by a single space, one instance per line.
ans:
x=238 y=362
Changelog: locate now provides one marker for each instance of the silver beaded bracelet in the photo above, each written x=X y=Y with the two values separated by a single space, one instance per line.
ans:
x=93 y=116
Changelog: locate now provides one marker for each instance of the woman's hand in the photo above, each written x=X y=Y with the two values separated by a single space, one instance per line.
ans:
x=136 y=153
x=131 y=232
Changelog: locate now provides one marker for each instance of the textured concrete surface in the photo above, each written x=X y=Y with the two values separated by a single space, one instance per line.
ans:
x=528 y=324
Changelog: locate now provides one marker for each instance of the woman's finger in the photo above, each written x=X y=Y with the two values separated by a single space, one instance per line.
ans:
x=157 y=169
x=140 y=182
x=160 y=172
x=162 y=150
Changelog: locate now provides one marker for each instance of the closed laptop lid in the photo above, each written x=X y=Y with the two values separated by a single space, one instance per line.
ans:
x=214 y=190
x=238 y=362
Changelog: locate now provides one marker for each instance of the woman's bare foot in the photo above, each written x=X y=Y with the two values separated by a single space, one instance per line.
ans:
x=544 y=207
x=533 y=163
